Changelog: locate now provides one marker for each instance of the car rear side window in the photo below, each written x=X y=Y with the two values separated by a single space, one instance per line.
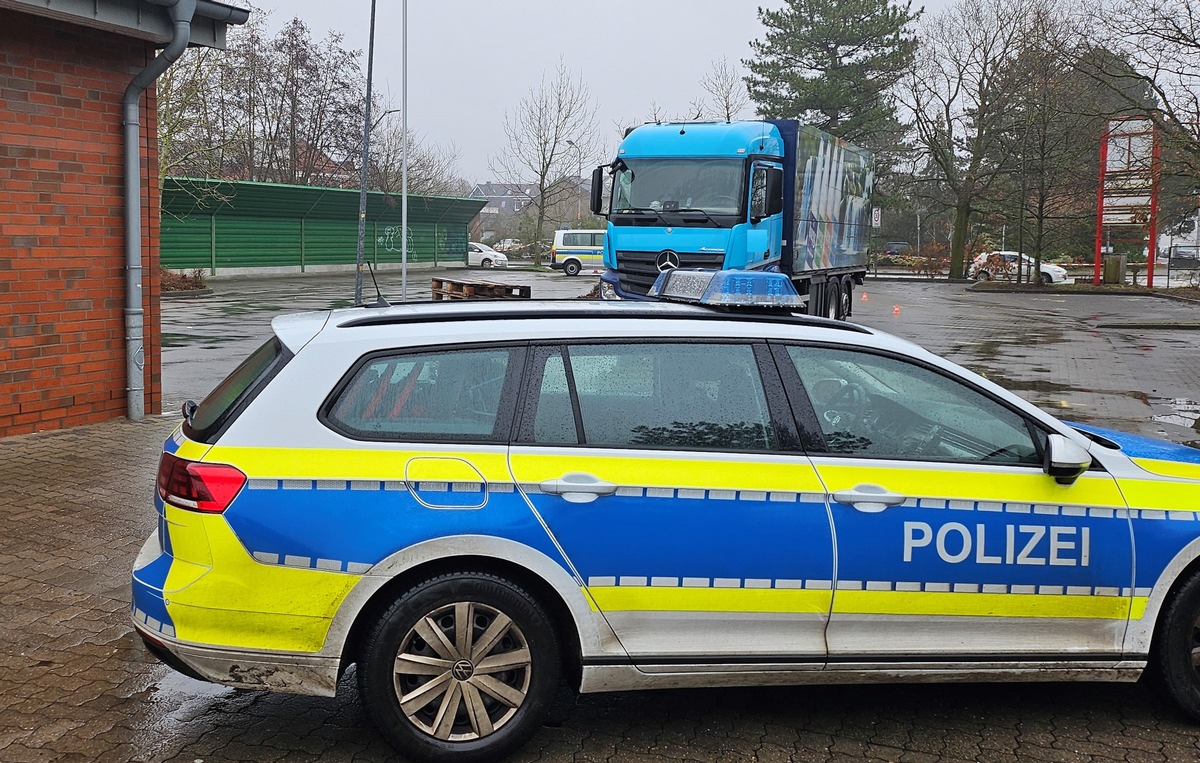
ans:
x=442 y=395
x=654 y=395
x=220 y=406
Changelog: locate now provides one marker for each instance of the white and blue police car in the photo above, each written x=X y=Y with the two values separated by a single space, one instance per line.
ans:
x=474 y=502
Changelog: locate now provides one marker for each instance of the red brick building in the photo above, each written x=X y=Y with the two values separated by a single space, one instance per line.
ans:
x=65 y=263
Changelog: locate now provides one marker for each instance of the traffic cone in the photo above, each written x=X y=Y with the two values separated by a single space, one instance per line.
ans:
x=864 y=299
x=896 y=310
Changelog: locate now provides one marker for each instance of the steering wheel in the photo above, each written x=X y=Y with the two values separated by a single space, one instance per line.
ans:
x=722 y=200
x=847 y=406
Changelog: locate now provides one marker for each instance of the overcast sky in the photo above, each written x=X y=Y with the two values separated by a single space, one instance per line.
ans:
x=471 y=60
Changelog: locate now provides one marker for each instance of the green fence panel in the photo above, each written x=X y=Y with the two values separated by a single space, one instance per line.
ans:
x=190 y=242
x=265 y=225
x=257 y=242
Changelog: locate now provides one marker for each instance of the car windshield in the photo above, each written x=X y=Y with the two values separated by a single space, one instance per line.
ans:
x=711 y=186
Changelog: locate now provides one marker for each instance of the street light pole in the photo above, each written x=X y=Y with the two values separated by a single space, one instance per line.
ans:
x=366 y=153
x=404 y=154
x=578 y=177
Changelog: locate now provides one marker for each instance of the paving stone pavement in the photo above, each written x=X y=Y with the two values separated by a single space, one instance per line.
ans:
x=76 y=685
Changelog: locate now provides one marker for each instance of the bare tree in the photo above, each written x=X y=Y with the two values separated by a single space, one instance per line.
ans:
x=431 y=167
x=726 y=89
x=286 y=109
x=958 y=92
x=1161 y=41
x=551 y=136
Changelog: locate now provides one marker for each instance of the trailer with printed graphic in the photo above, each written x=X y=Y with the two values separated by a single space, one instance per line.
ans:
x=763 y=195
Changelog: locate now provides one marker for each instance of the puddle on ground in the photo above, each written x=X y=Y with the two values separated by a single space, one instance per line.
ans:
x=1183 y=413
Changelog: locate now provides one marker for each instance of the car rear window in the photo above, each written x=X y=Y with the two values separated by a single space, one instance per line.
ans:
x=220 y=406
x=440 y=395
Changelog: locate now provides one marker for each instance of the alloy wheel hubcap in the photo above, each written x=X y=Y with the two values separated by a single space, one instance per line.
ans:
x=462 y=671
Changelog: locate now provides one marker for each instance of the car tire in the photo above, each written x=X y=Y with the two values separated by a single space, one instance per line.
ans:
x=1045 y=279
x=497 y=707
x=487 y=262
x=571 y=268
x=1178 y=636
x=984 y=276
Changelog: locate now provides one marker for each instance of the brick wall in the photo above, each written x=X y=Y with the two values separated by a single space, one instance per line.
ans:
x=62 y=257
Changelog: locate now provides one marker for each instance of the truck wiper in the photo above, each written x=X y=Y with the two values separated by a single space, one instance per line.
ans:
x=707 y=216
x=642 y=210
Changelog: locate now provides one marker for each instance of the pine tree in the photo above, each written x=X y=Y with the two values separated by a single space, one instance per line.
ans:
x=832 y=64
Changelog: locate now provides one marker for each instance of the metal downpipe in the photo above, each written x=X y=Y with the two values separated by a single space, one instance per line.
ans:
x=181 y=12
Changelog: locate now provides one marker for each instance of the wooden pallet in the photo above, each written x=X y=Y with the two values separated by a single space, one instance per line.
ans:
x=451 y=288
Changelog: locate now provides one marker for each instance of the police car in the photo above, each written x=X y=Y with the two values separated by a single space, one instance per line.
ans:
x=475 y=501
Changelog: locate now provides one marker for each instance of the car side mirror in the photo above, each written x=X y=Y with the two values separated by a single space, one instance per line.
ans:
x=1065 y=460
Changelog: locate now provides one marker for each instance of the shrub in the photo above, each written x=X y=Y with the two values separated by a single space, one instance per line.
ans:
x=169 y=280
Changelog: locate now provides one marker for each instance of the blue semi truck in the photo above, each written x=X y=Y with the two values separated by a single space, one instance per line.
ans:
x=770 y=195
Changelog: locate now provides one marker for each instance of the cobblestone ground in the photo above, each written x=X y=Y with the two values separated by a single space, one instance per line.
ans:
x=75 y=684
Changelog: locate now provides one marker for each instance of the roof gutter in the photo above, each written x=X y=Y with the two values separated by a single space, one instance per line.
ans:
x=181 y=12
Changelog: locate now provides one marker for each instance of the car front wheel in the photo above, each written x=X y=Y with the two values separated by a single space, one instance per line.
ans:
x=1045 y=279
x=487 y=262
x=1175 y=664
x=463 y=667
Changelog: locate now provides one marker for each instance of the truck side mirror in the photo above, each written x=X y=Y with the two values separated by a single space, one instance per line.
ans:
x=597 y=201
x=774 y=191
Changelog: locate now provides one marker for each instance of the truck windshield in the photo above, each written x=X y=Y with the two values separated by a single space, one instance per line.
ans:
x=712 y=186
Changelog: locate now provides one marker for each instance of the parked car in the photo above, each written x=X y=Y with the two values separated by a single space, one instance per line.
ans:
x=897 y=247
x=574 y=250
x=483 y=256
x=475 y=500
x=1003 y=264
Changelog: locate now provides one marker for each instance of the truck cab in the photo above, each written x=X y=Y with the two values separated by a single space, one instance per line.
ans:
x=690 y=195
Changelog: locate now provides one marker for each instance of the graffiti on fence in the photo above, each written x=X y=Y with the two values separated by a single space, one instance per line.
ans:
x=390 y=240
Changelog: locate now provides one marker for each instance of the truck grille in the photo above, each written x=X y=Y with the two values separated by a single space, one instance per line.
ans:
x=636 y=271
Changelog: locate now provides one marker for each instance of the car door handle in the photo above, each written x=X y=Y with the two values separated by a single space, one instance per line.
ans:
x=870 y=499
x=578 y=487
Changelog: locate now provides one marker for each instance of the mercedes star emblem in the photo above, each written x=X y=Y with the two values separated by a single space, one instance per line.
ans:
x=667 y=260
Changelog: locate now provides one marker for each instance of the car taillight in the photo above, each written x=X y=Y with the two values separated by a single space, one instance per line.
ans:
x=196 y=486
x=553 y=254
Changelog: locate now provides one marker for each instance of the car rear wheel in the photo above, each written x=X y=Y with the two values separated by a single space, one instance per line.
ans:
x=571 y=268
x=463 y=667
x=1175 y=664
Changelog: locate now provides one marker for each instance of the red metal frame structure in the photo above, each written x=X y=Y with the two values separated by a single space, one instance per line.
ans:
x=1128 y=194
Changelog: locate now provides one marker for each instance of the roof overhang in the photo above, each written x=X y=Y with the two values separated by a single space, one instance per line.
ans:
x=143 y=19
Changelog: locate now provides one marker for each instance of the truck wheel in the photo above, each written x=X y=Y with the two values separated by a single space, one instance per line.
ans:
x=1176 y=659
x=833 y=301
x=847 y=296
x=571 y=268
x=463 y=667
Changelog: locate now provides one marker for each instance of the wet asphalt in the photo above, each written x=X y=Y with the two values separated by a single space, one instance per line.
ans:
x=75 y=684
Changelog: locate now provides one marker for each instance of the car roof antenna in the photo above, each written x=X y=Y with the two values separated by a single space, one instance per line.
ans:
x=379 y=300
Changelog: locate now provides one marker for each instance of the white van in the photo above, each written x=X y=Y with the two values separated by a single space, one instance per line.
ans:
x=574 y=250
